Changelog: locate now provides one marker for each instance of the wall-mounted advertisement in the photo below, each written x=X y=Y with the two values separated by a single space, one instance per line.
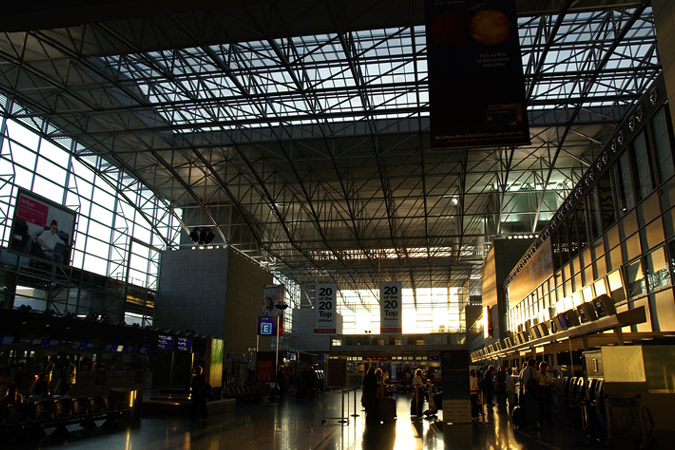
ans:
x=476 y=86
x=325 y=310
x=42 y=229
x=214 y=361
x=390 y=307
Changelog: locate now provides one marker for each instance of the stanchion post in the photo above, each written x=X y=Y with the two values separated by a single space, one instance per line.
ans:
x=343 y=419
x=355 y=415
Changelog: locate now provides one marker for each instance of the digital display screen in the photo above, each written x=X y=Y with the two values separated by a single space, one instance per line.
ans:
x=8 y=340
x=165 y=342
x=184 y=344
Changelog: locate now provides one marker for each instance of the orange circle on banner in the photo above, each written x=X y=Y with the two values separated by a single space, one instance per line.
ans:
x=450 y=29
x=489 y=27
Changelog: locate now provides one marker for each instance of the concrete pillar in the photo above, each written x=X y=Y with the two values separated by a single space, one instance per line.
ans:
x=664 y=15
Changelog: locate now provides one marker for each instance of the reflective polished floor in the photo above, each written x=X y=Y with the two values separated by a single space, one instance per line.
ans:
x=304 y=424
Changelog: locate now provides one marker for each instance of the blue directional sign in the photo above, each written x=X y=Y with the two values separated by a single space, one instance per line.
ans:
x=267 y=326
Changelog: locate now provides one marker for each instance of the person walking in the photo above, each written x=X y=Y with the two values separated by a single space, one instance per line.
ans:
x=310 y=380
x=487 y=386
x=500 y=386
x=530 y=382
x=281 y=381
x=545 y=394
x=418 y=395
x=200 y=393
x=474 y=391
x=68 y=377
x=511 y=389
x=43 y=377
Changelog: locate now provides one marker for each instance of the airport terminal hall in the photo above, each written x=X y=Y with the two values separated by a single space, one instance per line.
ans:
x=337 y=224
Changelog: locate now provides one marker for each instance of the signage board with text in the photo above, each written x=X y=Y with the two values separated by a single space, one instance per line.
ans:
x=390 y=307
x=325 y=310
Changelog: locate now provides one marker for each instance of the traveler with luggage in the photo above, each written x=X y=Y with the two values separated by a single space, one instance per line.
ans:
x=417 y=395
x=530 y=382
x=369 y=398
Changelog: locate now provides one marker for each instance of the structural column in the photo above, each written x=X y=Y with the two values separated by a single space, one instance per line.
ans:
x=664 y=16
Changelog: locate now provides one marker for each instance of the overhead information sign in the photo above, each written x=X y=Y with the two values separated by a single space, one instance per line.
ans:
x=390 y=307
x=476 y=86
x=325 y=311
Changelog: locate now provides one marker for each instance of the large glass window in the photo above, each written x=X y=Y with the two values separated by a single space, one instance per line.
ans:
x=106 y=221
x=662 y=144
x=644 y=181
x=606 y=200
x=635 y=279
x=624 y=183
x=594 y=216
x=656 y=270
x=428 y=311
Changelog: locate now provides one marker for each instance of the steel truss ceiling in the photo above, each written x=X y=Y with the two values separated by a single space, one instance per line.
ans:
x=307 y=145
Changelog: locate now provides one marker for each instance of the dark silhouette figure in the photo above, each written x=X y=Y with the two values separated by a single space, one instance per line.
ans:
x=199 y=394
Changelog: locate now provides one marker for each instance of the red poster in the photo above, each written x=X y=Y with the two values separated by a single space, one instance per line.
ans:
x=32 y=211
x=265 y=367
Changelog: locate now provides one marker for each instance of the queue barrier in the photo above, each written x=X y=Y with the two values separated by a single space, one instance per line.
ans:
x=344 y=409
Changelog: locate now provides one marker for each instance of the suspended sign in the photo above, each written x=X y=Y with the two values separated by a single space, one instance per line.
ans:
x=390 y=307
x=476 y=86
x=325 y=312
x=274 y=304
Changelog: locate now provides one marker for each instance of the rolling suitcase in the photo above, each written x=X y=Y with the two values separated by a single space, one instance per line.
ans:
x=518 y=418
x=386 y=409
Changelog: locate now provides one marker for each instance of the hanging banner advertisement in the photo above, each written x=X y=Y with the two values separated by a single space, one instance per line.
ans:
x=325 y=310
x=274 y=304
x=390 y=307
x=476 y=85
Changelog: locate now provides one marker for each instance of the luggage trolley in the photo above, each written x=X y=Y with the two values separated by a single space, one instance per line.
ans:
x=631 y=410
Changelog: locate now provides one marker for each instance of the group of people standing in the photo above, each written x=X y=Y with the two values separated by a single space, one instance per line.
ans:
x=373 y=388
x=490 y=384
x=302 y=385
x=536 y=385
x=46 y=379
x=531 y=389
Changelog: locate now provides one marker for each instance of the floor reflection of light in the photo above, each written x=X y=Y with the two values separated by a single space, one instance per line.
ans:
x=127 y=443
